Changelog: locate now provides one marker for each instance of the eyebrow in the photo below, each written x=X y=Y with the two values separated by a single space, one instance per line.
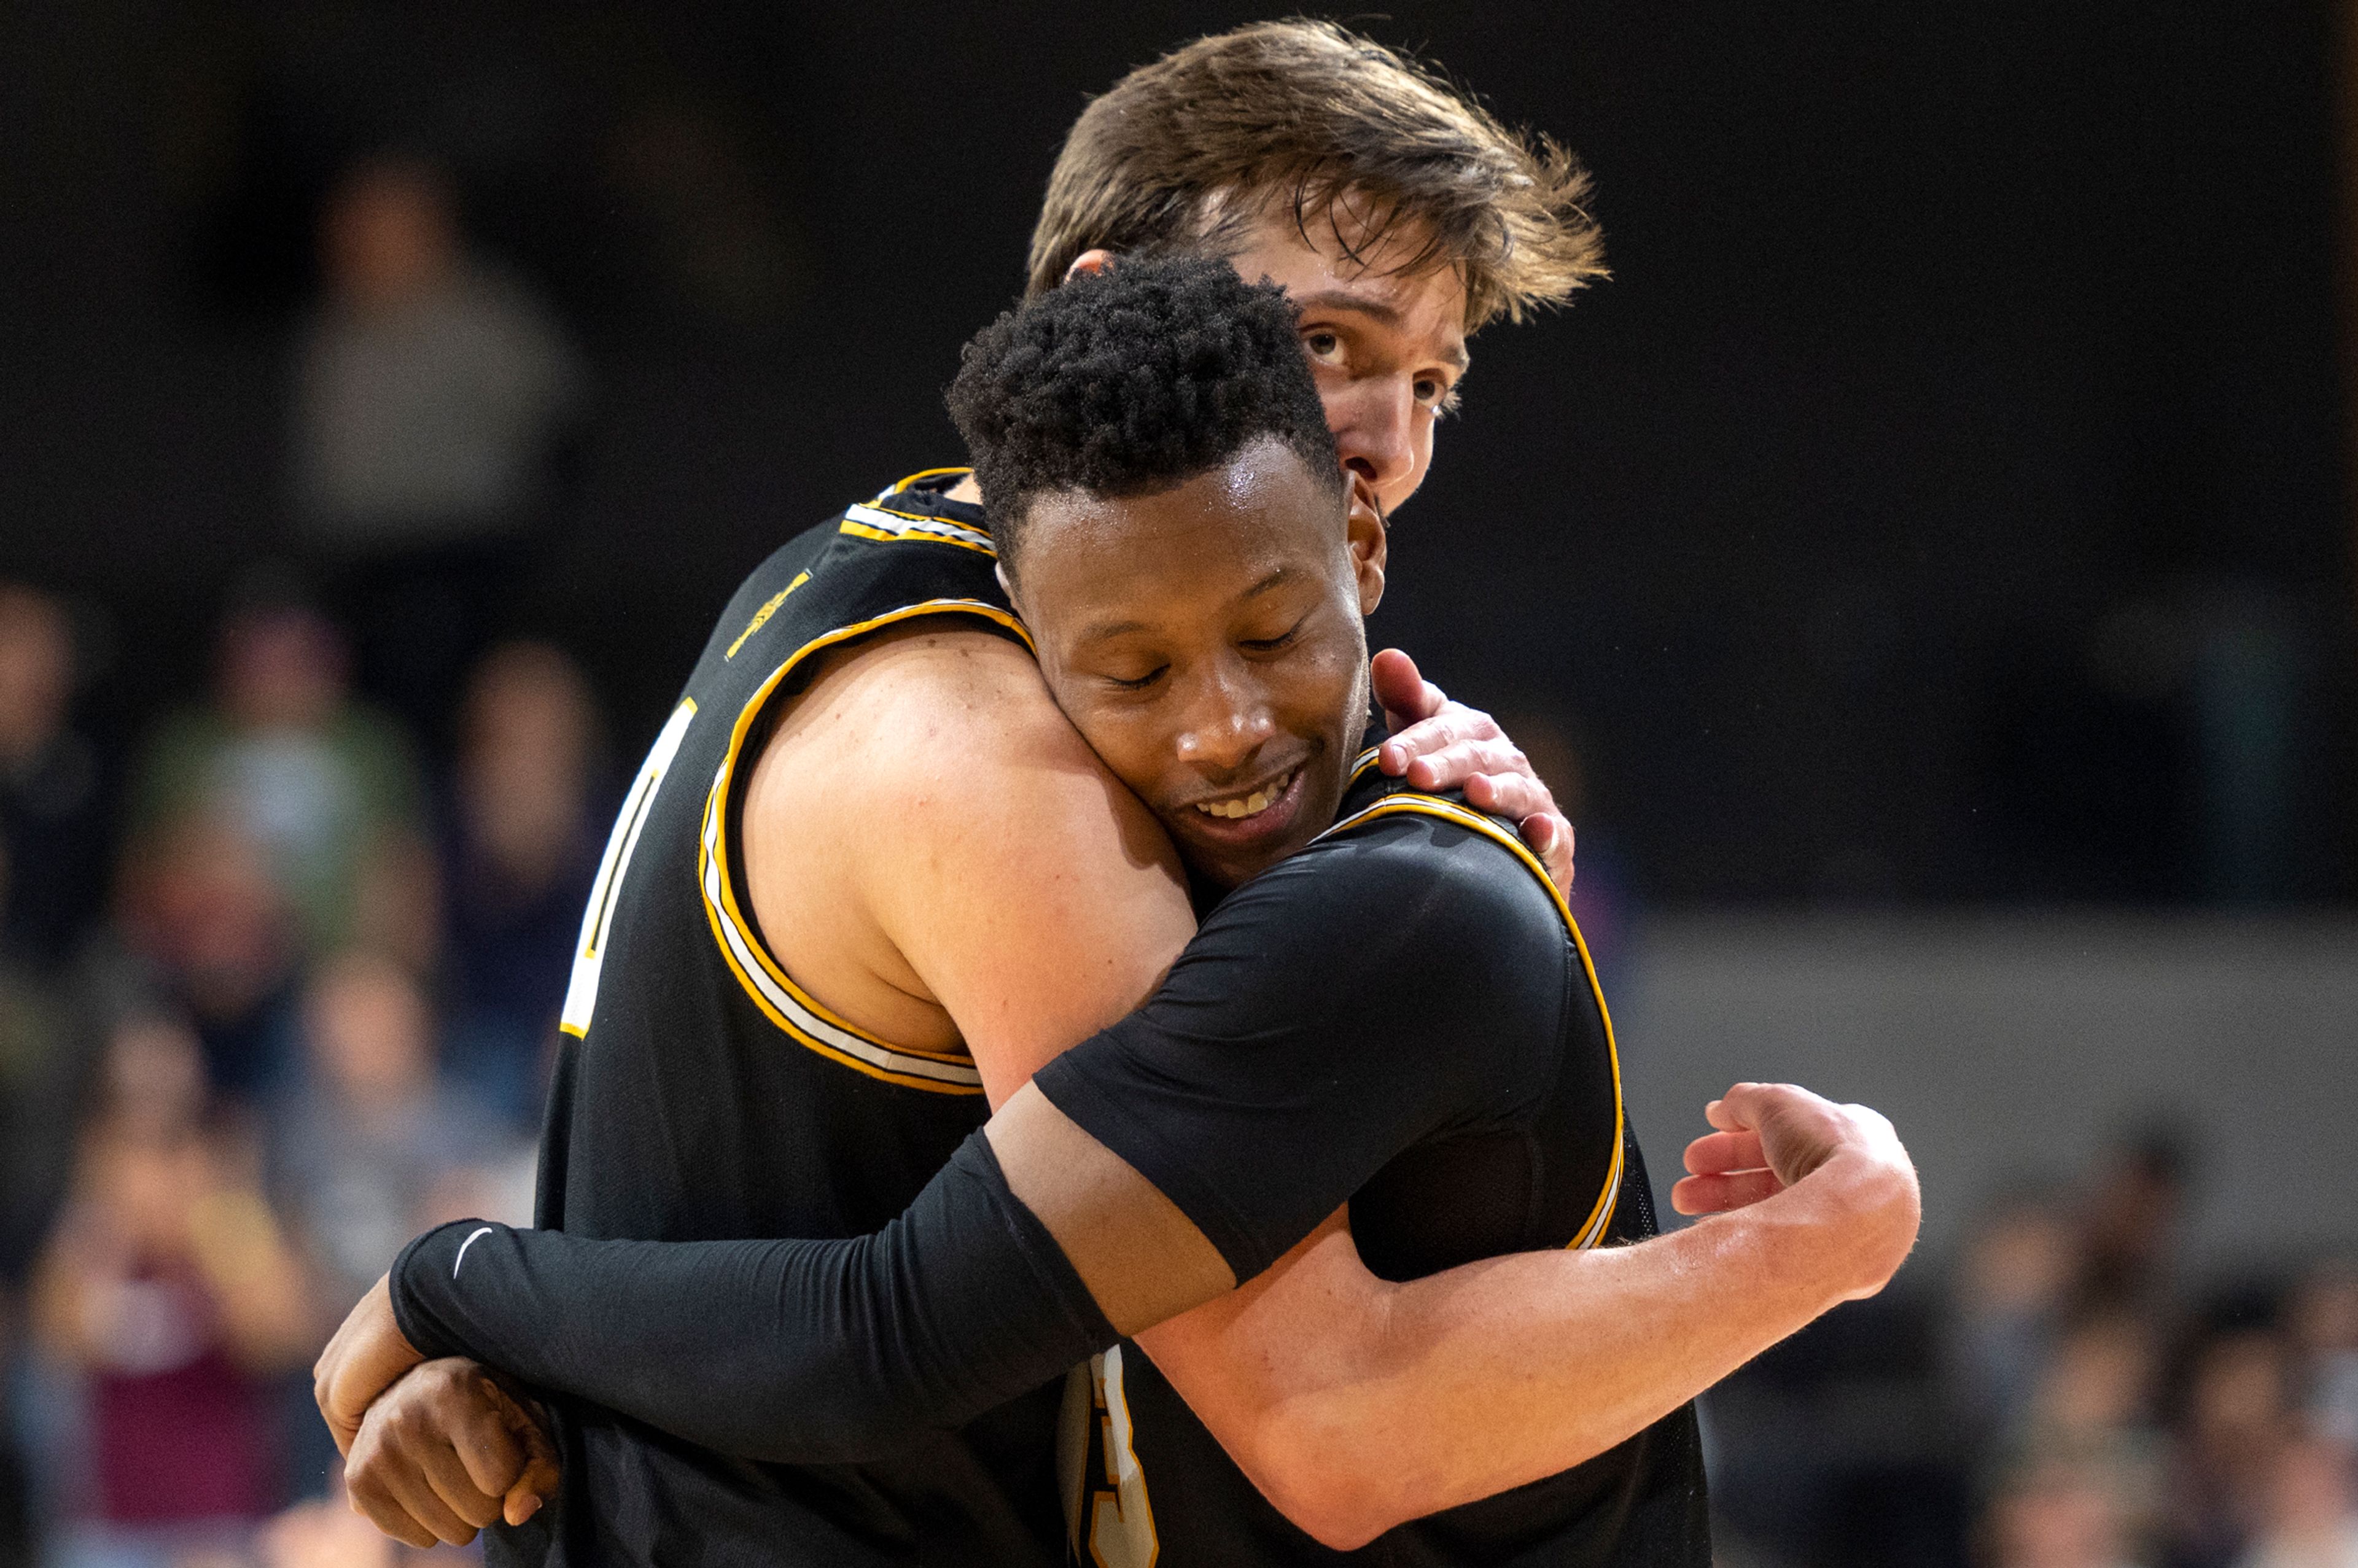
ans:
x=1377 y=310
x=1100 y=630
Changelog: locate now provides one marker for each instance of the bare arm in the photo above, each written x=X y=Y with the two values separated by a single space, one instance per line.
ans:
x=1356 y=1405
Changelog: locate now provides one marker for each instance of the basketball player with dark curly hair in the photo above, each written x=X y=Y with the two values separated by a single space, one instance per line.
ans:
x=1387 y=1006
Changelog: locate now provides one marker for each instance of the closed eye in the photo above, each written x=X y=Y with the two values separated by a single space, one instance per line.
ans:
x=1270 y=644
x=1140 y=684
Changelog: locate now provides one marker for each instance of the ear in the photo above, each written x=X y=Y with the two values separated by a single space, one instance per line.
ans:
x=1091 y=262
x=1369 y=540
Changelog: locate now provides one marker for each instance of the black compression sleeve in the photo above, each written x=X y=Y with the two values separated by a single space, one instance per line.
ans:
x=1401 y=983
x=800 y=1352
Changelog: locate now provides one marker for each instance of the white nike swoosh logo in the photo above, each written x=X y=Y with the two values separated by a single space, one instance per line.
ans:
x=477 y=1235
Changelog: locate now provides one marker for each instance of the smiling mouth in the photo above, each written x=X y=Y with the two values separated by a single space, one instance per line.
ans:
x=1238 y=807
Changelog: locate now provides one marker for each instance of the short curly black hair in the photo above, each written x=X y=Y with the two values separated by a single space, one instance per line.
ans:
x=1133 y=381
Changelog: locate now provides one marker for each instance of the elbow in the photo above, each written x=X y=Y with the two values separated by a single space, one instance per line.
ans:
x=1337 y=1486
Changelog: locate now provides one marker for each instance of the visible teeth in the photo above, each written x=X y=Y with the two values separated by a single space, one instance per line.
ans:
x=1260 y=800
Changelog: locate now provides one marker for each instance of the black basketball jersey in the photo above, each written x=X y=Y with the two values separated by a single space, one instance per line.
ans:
x=1147 y=1485
x=701 y=1094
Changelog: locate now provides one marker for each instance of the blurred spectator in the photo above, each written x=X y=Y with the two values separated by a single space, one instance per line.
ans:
x=52 y=823
x=2237 y=1410
x=2094 y=1412
x=168 y=1287
x=2311 y=1520
x=2057 y=1515
x=2132 y=1221
x=41 y=1061
x=42 y=1058
x=2012 y=1292
x=200 y=906
x=431 y=391
x=2324 y=1318
x=528 y=828
x=326 y=1534
x=326 y=788
x=365 y=1148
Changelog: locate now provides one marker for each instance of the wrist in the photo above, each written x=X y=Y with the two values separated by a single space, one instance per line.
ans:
x=1866 y=1210
x=424 y=1264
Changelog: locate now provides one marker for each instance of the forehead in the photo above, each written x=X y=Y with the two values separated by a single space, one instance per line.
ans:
x=1329 y=261
x=1217 y=537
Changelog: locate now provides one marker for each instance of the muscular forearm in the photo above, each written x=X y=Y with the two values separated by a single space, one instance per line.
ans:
x=1497 y=1373
x=791 y=1351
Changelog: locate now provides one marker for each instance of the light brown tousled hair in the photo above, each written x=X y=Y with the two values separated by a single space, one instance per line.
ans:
x=1183 y=155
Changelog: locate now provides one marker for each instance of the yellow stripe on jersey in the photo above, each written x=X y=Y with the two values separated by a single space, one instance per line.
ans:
x=761 y=616
x=1592 y=1230
x=869 y=521
x=785 y=1003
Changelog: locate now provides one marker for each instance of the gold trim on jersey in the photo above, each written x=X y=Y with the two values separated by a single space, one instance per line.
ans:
x=899 y=485
x=1592 y=1230
x=870 y=521
x=761 y=616
x=781 y=1000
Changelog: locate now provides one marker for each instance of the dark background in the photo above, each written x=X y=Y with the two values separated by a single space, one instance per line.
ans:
x=1945 y=501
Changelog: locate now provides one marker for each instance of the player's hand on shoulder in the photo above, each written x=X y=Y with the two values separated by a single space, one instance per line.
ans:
x=446 y=1451
x=1769 y=1137
x=1437 y=744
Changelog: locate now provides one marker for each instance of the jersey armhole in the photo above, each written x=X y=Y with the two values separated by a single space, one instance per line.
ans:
x=720 y=873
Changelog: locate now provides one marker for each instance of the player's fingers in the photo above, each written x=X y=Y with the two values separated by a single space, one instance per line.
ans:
x=1719 y=1194
x=539 y=1485
x=1550 y=837
x=1494 y=784
x=540 y=1478
x=1517 y=791
x=1742 y=1107
x=1404 y=692
x=447 y=1474
x=487 y=1443
x=1425 y=738
x=401 y=1472
x=375 y=1497
x=1717 y=1153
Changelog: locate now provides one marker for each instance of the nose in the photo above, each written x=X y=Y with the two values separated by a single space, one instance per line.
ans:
x=1376 y=433
x=1227 y=723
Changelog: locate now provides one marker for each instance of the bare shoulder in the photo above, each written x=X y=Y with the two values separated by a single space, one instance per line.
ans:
x=1027 y=889
x=935 y=851
x=958 y=725
x=962 y=697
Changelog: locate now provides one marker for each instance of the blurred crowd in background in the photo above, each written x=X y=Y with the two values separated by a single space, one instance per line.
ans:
x=1946 y=501
x=279 y=982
